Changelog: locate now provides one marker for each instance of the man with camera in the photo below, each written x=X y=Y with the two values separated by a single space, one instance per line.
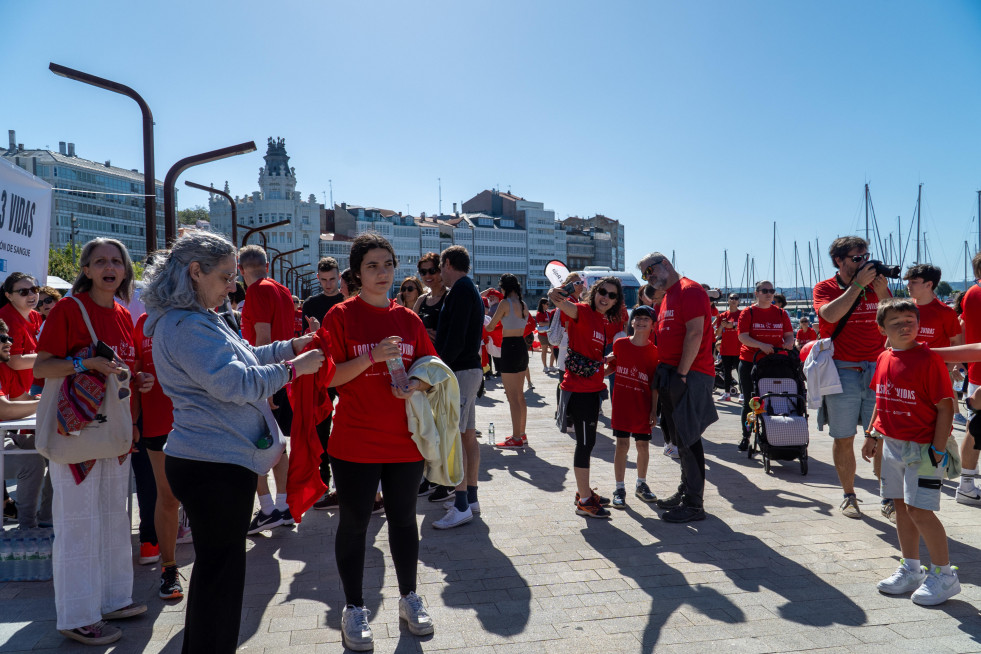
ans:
x=851 y=296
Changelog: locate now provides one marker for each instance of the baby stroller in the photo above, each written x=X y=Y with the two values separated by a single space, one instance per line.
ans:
x=780 y=430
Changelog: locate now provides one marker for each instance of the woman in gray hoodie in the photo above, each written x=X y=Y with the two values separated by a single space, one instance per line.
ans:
x=224 y=434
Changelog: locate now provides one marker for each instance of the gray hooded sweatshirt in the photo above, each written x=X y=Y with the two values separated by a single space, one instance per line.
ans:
x=219 y=385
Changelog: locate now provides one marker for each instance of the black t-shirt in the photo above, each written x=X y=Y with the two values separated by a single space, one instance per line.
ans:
x=317 y=306
x=430 y=313
x=460 y=325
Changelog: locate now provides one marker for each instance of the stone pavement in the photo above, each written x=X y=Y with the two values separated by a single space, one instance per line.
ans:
x=775 y=567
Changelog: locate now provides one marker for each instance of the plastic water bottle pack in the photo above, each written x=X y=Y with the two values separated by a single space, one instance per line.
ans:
x=25 y=555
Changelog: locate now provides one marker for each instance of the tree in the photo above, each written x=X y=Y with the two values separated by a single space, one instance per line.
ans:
x=192 y=215
x=61 y=263
x=944 y=289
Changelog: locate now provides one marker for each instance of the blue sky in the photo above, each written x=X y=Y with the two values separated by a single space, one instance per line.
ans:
x=697 y=124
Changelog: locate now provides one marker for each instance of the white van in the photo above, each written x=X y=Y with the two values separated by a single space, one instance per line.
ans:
x=631 y=285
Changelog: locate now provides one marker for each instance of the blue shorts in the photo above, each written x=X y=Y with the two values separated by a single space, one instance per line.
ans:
x=853 y=406
x=908 y=474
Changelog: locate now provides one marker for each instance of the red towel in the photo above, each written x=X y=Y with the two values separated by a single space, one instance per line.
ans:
x=311 y=406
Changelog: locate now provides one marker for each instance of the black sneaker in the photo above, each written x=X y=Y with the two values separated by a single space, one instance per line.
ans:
x=669 y=502
x=744 y=444
x=426 y=487
x=328 y=501
x=261 y=521
x=170 y=585
x=643 y=491
x=288 y=520
x=684 y=513
x=9 y=511
x=602 y=501
x=441 y=494
x=620 y=498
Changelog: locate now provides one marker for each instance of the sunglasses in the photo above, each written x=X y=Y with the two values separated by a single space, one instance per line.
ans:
x=428 y=271
x=48 y=300
x=409 y=289
x=767 y=291
x=858 y=258
x=650 y=269
x=5 y=339
x=613 y=295
x=24 y=292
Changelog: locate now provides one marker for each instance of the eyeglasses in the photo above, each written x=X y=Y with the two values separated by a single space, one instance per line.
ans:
x=24 y=292
x=613 y=295
x=5 y=339
x=768 y=291
x=650 y=269
x=858 y=258
x=48 y=300
x=428 y=271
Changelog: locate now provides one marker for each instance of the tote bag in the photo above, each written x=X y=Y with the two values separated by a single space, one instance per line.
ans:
x=109 y=435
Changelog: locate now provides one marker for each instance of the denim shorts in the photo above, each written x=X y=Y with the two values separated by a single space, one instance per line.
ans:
x=853 y=406
x=908 y=474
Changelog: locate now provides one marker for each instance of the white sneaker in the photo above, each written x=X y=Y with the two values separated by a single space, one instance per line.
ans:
x=355 y=631
x=970 y=495
x=903 y=580
x=725 y=397
x=414 y=613
x=671 y=451
x=454 y=518
x=937 y=588
x=474 y=506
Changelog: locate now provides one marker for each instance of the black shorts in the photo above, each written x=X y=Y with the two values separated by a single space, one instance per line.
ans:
x=628 y=434
x=284 y=414
x=514 y=354
x=154 y=443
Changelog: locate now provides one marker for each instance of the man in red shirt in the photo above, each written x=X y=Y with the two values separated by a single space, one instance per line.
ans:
x=939 y=325
x=684 y=379
x=968 y=492
x=855 y=288
x=268 y=316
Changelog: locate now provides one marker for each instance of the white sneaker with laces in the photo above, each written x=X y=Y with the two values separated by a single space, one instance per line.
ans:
x=725 y=397
x=414 y=613
x=937 y=588
x=671 y=451
x=970 y=495
x=355 y=631
x=903 y=580
x=474 y=506
x=454 y=518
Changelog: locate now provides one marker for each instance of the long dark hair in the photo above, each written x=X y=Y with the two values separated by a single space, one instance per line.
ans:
x=8 y=285
x=542 y=304
x=613 y=313
x=510 y=284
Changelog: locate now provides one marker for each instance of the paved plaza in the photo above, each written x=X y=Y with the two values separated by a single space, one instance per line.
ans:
x=774 y=568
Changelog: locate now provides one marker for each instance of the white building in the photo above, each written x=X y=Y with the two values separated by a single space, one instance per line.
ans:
x=277 y=200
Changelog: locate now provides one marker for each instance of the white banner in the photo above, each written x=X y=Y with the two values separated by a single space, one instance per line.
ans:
x=25 y=222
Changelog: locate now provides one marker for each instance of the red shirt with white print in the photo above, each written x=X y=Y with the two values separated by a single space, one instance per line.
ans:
x=806 y=335
x=764 y=325
x=938 y=324
x=683 y=302
x=24 y=334
x=908 y=385
x=589 y=333
x=370 y=423
x=157 y=409
x=65 y=332
x=860 y=340
x=730 y=335
x=971 y=317
x=632 y=401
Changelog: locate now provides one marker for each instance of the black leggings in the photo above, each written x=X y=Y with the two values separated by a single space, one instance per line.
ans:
x=584 y=410
x=729 y=363
x=217 y=498
x=356 y=485
x=746 y=387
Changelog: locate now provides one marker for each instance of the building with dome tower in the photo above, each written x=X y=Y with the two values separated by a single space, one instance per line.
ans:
x=276 y=200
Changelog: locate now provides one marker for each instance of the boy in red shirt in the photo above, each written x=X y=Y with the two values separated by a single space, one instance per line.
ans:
x=634 y=360
x=914 y=412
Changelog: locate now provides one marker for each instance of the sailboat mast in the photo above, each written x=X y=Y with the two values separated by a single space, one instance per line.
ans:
x=774 y=253
x=725 y=271
x=919 y=198
x=795 y=269
x=866 y=212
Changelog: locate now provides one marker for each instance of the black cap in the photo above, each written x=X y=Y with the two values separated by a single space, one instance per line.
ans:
x=643 y=310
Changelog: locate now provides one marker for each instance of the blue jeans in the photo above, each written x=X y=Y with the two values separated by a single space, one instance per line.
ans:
x=854 y=405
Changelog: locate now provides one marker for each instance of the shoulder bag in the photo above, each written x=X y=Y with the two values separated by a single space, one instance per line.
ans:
x=109 y=435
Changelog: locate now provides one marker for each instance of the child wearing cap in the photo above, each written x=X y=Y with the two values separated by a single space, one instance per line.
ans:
x=634 y=360
x=913 y=415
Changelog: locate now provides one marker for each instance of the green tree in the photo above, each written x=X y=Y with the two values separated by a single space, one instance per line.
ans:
x=944 y=289
x=61 y=263
x=192 y=215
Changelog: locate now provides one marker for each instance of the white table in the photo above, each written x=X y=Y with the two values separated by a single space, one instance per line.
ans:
x=14 y=425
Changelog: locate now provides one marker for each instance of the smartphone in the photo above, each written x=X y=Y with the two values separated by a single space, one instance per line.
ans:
x=104 y=351
x=568 y=289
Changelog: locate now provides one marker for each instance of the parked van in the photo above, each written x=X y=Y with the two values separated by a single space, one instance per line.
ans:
x=631 y=285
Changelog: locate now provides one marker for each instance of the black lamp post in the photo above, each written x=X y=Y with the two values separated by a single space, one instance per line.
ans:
x=211 y=189
x=149 y=183
x=272 y=266
x=261 y=230
x=170 y=213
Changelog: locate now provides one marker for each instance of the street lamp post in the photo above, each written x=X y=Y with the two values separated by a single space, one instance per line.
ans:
x=261 y=230
x=170 y=210
x=301 y=279
x=149 y=183
x=212 y=189
x=292 y=269
x=272 y=265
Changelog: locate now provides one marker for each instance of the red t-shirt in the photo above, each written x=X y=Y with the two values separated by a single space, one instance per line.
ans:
x=730 y=337
x=908 y=385
x=298 y=323
x=765 y=325
x=806 y=335
x=971 y=316
x=268 y=301
x=685 y=301
x=370 y=424
x=24 y=332
x=632 y=386
x=65 y=332
x=588 y=334
x=158 y=410
x=938 y=324
x=542 y=318
x=860 y=340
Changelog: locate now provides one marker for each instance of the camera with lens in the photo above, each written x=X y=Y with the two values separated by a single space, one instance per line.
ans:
x=892 y=272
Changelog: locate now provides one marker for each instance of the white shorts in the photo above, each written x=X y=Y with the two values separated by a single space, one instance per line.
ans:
x=908 y=474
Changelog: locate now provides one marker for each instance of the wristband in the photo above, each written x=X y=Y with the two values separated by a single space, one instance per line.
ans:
x=78 y=364
x=857 y=284
x=291 y=369
x=371 y=358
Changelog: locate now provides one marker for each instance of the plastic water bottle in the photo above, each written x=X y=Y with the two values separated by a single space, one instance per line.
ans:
x=490 y=431
x=33 y=557
x=6 y=559
x=19 y=568
x=397 y=371
x=44 y=549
